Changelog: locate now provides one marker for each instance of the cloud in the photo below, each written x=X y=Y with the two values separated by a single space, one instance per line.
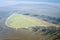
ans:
x=12 y=2
x=46 y=8
x=8 y=3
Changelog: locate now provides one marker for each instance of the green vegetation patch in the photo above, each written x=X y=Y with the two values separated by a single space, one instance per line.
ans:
x=21 y=21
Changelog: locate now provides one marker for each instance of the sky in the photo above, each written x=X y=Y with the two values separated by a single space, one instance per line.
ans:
x=48 y=7
x=35 y=0
x=14 y=2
